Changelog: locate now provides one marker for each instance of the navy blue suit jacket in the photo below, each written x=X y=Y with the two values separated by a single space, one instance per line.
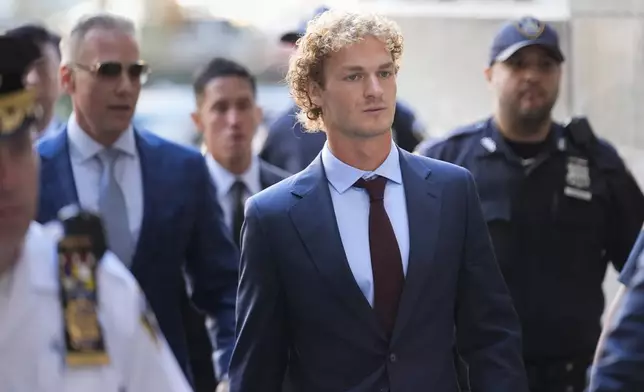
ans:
x=621 y=365
x=299 y=307
x=182 y=228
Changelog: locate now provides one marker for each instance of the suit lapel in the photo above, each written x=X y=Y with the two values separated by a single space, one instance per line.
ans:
x=423 y=212
x=57 y=175
x=152 y=174
x=314 y=214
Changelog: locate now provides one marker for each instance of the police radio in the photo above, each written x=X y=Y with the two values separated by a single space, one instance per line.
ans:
x=79 y=252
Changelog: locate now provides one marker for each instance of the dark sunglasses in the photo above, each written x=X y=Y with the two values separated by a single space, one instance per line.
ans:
x=112 y=69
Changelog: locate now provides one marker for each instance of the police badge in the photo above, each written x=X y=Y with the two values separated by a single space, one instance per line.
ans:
x=530 y=28
x=578 y=179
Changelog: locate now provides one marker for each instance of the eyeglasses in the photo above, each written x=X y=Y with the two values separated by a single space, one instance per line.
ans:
x=112 y=69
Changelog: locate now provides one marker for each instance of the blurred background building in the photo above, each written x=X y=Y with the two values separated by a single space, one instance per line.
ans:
x=446 y=48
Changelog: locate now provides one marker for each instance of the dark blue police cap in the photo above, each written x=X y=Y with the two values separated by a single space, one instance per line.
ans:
x=18 y=109
x=528 y=31
x=293 y=36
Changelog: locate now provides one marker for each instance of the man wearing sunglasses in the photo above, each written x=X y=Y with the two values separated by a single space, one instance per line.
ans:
x=74 y=322
x=156 y=199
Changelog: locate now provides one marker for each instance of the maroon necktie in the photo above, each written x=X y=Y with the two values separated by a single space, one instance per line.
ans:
x=386 y=262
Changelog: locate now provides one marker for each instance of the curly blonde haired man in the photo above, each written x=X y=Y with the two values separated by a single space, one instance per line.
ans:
x=365 y=271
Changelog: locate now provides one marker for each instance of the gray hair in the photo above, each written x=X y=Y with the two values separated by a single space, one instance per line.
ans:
x=72 y=43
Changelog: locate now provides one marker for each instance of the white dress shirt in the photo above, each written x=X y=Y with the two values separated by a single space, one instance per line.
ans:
x=86 y=167
x=224 y=181
x=351 y=206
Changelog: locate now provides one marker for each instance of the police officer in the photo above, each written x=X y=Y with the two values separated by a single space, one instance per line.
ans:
x=71 y=318
x=559 y=204
x=291 y=148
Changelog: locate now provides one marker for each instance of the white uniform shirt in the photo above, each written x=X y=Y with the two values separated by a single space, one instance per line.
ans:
x=32 y=344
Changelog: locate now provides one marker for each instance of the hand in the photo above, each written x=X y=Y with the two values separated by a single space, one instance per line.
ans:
x=223 y=386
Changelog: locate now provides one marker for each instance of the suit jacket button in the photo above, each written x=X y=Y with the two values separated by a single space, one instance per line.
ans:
x=392 y=358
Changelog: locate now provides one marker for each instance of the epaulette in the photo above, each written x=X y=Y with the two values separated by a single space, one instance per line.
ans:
x=467 y=130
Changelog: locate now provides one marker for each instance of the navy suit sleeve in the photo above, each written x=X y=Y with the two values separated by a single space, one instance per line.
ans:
x=621 y=366
x=487 y=327
x=630 y=268
x=626 y=217
x=212 y=265
x=261 y=351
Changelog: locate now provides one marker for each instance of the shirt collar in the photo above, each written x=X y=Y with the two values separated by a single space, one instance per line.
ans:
x=342 y=176
x=224 y=179
x=86 y=148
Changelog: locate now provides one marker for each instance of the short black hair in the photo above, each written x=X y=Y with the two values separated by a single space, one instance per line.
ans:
x=37 y=34
x=219 y=68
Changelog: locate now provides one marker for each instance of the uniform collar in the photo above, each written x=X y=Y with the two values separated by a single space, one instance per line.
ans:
x=493 y=143
x=342 y=176
x=224 y=179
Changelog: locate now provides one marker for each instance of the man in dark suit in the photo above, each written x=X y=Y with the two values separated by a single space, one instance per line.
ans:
x=620 y=365
x=367 y=270
x=227 y=116
x=156 y=199
x=289 y=146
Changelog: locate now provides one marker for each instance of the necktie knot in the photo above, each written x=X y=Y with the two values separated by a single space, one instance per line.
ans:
x=375 y=187
x=108 y=156
x=238 y=188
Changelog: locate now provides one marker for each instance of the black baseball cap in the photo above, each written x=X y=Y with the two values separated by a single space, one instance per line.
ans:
x=528 y=31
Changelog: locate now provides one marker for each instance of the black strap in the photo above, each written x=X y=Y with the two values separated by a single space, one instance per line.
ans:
x=580 y=133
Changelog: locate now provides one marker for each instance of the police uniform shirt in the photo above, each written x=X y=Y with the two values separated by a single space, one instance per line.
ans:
x=555 y=220
x=32 y=347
